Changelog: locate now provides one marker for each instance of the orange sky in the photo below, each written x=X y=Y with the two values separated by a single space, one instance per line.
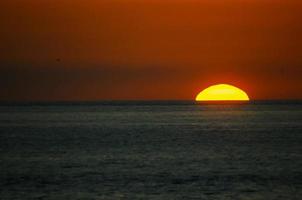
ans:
x=147 y=49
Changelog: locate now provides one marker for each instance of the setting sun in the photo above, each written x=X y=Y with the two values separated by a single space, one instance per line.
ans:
x=222 y=92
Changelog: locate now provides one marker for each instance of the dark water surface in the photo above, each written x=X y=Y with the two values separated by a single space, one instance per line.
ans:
x=151 y=151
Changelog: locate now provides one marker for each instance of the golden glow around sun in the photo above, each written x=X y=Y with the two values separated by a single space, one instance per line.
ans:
x=222 y=92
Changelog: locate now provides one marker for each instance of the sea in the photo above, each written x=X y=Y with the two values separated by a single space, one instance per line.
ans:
x=165 y=150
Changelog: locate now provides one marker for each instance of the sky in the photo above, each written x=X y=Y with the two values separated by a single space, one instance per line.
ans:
x=55 y=50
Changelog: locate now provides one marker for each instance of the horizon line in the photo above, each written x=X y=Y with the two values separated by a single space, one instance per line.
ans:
x=143 y=102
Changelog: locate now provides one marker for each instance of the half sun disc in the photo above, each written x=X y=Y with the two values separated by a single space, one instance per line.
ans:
x=222 y=92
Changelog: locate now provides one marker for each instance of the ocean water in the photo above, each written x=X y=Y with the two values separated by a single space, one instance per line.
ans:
x=151 y=150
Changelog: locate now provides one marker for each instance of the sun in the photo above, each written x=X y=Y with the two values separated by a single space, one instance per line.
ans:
x=222 y=92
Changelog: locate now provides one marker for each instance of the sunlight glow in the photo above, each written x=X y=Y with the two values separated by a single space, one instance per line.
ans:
x=222 y=92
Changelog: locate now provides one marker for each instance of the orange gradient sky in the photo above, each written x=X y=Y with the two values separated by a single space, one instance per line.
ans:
x=149 y=49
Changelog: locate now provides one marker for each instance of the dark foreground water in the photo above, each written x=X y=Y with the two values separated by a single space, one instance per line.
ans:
x=151 y=151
